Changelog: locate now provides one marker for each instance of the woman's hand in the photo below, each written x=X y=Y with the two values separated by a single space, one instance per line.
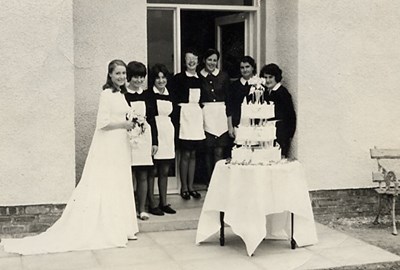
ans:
x=128 y=125
x=231 y=131
x=154 y=149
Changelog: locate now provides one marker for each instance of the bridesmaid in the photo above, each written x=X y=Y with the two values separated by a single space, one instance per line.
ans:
x=143 y=102
x=188 y=96
x=158 y=79
x=216 y=86
x=239 y=91
x=284 y=109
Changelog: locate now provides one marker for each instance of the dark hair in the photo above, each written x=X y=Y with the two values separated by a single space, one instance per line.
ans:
x=272 y=69
x=153 y=73
x=192 y=51
x=135 y=68
x=109 y=83
x=251 y=61
x=210 y=52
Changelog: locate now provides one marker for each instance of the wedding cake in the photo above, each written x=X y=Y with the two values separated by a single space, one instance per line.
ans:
x=255 y=135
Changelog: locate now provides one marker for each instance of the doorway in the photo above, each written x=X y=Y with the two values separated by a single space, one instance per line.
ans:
x=199 y=29
x=171 y=30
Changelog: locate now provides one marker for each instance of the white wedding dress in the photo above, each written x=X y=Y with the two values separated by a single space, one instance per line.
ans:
x=101 y=211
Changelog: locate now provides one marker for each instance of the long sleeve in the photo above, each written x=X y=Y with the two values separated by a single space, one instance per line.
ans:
x=103 y=114
x=284 y=111
x=151 y=110
x=290 y=114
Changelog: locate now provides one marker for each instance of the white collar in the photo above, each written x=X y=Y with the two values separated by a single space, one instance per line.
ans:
x=276 y=86
x=243 y=80
x=156 y=91
x=204 y=73
x=191 y=75
x=135 y=91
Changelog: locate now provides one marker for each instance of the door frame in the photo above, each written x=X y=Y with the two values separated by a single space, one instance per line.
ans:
x=231 y=19
x=253 y=28
x=252 y=42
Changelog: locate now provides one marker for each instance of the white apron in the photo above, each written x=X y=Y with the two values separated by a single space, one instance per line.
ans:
x=141 y=150
x=191 y=118
x=166 y=144
x=215 y=120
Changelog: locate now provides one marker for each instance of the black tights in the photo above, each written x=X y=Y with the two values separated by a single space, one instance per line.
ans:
x=213 y=155
x=161 y=168
x=187 y=167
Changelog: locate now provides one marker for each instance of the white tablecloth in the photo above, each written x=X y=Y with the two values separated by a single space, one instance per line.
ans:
x=257 y=202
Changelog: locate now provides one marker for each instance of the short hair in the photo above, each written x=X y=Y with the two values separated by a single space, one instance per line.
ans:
x=251 y=61
x=210 y=52
x=272 y=69
x=135 y=68
x=109 y=83
x=191 y=50
x=153 y=73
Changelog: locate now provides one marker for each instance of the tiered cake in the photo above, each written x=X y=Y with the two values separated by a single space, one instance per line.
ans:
x=255 y=134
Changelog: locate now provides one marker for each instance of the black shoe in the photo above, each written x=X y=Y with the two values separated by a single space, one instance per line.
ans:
x=156 y=211
x=195 y=194
x=167 y=209
x=185 y=195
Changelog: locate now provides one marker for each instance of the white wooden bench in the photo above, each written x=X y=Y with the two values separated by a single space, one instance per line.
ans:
x=387 y=180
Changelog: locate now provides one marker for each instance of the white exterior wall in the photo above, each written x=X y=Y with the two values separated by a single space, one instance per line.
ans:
x=348 y=88
x=340 y=61
x=103 y=31
x=282 y=46
x=37 y=102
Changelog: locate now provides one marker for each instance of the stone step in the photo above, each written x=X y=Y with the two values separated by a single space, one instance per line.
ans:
x=186 y=217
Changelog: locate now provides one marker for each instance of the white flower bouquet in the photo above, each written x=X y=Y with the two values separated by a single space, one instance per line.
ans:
x=139 y=126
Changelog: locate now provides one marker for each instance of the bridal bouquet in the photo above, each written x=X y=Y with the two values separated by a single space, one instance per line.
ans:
x=257 y=88
x=139 y=127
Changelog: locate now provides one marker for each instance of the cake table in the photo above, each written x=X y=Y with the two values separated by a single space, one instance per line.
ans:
x=257 y=202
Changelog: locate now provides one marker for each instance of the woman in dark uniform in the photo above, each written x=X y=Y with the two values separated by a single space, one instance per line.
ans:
x=216 y=86
x=239 y=90
x=284 y=109
x=158 y=79
x=143 y=101
x=187 y=90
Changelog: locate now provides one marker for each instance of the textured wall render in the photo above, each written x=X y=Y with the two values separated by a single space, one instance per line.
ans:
x=348 y=96
x=37 y=102
x=282 y=45
x=102 y=32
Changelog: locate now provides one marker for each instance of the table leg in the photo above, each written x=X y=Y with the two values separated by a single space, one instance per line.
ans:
x=292 y=241
x=222 y=230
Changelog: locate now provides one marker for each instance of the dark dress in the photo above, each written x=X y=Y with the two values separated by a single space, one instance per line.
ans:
x=236 y=95
x=284 y=111
x=185 y=115
x=165 y=127
x=148 y=98
x=216 y=88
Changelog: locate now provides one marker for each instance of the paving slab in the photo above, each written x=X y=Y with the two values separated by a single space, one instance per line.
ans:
x=177 y=250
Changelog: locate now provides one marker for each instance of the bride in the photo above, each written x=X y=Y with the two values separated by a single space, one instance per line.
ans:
x=101 y=211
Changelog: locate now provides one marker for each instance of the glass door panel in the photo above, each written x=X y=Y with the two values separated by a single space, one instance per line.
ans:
x=204 y=2
x=232 y=48
x=231 y=41
x=160 y=36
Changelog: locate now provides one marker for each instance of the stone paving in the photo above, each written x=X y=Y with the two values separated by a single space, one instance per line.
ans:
x=177 y=250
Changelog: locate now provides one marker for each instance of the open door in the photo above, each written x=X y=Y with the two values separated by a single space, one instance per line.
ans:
x=232 y=40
